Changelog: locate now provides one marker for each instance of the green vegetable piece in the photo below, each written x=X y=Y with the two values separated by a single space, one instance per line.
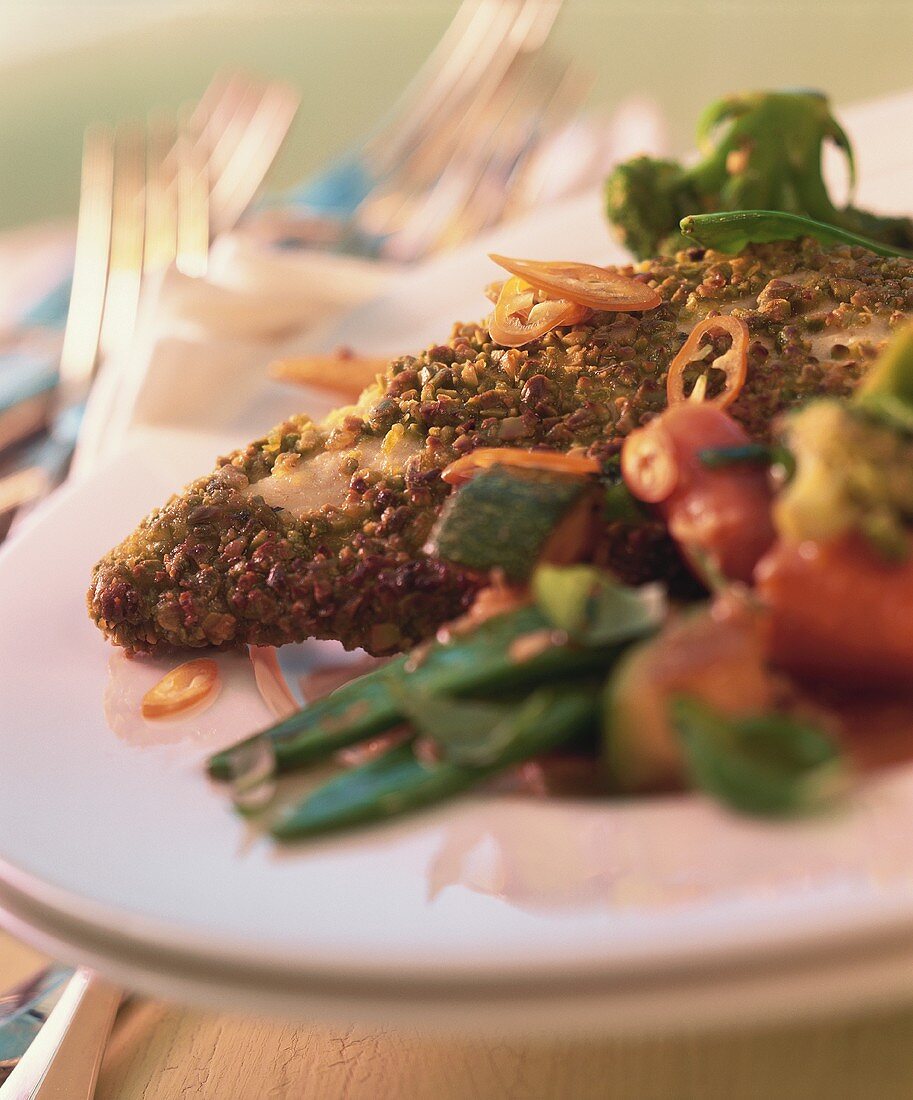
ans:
x=751 y=454
x=748 y=454
x=469 y=731
x=853 y=472
x=645 y=200
x=397 y=783
x=734 y=231
x=760 y=151
x=503 y=519
x=769 y=765
x=620 y=506
x=354 y=712
x=593 y=608
x=475 y=664
x=887 y=389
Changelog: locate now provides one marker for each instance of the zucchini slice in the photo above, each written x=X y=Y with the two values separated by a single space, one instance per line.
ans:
x=510 y=519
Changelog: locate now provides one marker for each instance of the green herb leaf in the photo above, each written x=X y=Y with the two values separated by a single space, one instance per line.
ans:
x=770 y=765
x=469 y=731
x=595 y=609
x=734 y=231
x=621 y=506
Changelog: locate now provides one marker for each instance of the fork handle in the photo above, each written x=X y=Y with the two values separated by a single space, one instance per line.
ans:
x=63 y=1061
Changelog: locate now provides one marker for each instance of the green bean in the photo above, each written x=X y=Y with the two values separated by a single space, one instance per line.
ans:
x=479 y=663
x=397 y=782
x=731 y=232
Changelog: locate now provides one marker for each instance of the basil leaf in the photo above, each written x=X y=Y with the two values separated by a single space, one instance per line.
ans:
x=769 y=765
x=732 y=232
x=595 y=609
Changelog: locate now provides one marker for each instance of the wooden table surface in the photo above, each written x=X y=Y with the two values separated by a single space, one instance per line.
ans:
x=167 y=1052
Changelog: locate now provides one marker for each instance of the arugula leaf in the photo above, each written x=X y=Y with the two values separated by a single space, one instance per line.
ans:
x=595 y=609
x=769 y=765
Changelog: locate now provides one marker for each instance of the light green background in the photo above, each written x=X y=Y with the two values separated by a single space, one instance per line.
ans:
x=351 y=58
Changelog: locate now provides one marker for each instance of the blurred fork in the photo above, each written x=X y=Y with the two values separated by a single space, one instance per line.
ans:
x=514 y=31
x=379 y=200
x=149 y=196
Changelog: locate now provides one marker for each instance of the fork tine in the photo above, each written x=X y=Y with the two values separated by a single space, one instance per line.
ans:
x=127 y=237
x=521 y=34
x=161 y=195
x=238 y=182
x=475 y=184
x=90 y=269
x=224 y=128
x=465 y=50
x=193 y=198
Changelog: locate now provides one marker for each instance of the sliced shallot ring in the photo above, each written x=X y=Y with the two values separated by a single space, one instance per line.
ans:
x=186 y=686
x=550 y=461
x=585 y=284
x=734 y=362
x=519 y=319
x=648 y=463
x=271 y=681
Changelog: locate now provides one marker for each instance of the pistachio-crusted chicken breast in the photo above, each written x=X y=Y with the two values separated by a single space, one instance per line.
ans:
x=317 y=530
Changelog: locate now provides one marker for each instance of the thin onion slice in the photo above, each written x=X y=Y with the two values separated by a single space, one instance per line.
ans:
x=585 y=284
x=271 y=681
x=551 y=461
x=519 y=318
x=188 y=685
x=734 y=362
x=346 y=375
x=648 y=463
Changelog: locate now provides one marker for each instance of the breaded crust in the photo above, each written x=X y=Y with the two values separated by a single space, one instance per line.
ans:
x=217 y=565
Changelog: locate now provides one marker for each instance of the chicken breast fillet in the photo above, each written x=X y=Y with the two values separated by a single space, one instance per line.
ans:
x=317 y=530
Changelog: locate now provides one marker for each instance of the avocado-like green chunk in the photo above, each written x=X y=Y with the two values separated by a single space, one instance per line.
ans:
x=887 y=390
x=854 y=461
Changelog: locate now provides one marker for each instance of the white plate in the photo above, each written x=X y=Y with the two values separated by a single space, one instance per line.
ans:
x=116 y=849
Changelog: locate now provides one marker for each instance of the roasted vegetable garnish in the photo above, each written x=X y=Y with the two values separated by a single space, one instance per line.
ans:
x=495 y=658
x=399 y=782
x=719 y=515
x=760 y=151
x=714 y=653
